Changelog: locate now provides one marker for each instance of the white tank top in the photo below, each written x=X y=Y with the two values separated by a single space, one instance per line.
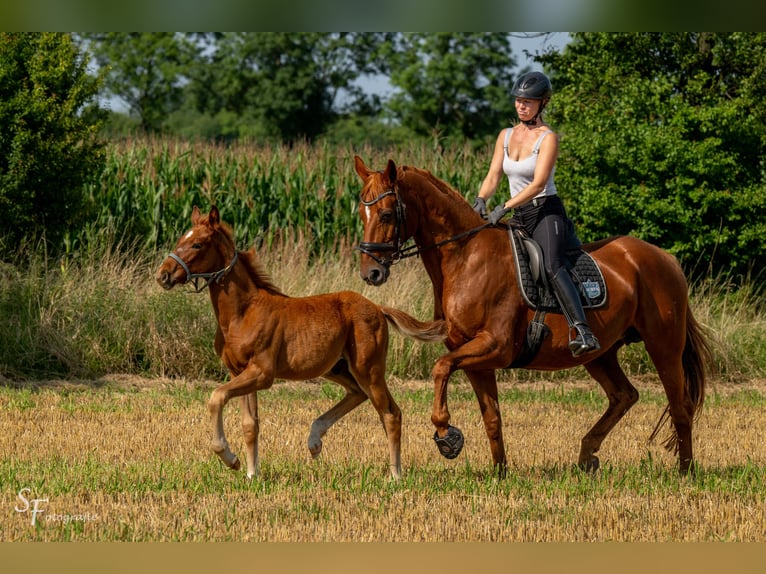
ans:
x=521 y=173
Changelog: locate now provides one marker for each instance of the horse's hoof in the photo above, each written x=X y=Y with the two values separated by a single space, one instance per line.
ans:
x=315 y=449
x=451 y=444
x=235 y=465
x=591 y=465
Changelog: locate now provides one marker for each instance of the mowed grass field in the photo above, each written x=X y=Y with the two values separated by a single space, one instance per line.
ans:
x=127 y=459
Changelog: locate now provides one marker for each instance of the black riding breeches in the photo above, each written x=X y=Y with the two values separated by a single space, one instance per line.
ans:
x=547 y=223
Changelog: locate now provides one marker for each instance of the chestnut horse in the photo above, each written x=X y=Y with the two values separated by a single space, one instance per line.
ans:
x=475 y=287
x=263 y=335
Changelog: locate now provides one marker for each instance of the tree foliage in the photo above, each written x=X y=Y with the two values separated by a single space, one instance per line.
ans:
x=663 y=137
x=454 y=85
x=48 y=144
x=146 y=70
x=287 y=86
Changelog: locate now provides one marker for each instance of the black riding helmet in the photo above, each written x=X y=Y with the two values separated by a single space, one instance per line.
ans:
x=534 y=86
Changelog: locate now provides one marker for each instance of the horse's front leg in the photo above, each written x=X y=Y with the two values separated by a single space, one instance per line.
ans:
x=250 y=430
x=248 y=381
x=482 y=354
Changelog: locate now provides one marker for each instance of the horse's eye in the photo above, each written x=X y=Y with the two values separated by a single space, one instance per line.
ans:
x=197 y=246
x=386 y=216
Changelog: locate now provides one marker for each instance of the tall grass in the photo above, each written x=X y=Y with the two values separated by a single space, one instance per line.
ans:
x=102 y=312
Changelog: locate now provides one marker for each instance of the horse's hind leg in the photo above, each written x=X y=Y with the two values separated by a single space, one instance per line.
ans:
x=353 y=398
x=250 y=429
x=671 y=372
x=622 y=395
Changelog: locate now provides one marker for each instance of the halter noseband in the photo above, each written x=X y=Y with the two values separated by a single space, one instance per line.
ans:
x=208 y=278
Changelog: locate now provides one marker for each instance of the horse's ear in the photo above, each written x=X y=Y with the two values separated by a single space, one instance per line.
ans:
x=390 y=172
x=214 y=218
x=361 y=169
x=195 y=215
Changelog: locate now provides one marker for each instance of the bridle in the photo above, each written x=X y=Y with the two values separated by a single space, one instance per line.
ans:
x=394 y=247
x=208 y=278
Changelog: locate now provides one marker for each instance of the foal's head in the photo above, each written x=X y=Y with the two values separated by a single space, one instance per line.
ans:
x=203 y=252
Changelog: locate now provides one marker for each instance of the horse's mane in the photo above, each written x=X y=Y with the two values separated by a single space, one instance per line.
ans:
x=439 y=184
x=255 y=269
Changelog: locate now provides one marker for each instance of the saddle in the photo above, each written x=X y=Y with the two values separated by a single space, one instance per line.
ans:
x=533 y=281
x=538 y=293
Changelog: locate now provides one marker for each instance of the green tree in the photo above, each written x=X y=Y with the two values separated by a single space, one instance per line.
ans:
x=283 y=86
x=663 y=137
x=450 y=85
x=147 y=70
x=48 y=145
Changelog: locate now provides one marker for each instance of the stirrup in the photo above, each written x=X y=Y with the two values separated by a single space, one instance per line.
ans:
x=584 y=342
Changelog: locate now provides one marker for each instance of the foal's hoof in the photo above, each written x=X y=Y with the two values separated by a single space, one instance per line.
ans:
x=591 y=465
x=451 y=444
x=235 y=465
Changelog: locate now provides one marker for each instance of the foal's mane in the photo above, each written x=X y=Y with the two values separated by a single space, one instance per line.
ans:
x=249 y=259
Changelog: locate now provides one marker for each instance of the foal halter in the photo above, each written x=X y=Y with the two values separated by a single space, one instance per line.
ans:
x=208 y=278
x=395 y=245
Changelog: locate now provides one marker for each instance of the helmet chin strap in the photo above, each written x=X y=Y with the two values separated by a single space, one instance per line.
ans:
x=533 y=121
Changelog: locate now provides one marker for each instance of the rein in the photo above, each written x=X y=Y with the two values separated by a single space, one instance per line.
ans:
x=208 y=278
x=398 y=251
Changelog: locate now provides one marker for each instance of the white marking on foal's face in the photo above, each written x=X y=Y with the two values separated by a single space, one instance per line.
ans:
x=367 y=212
x=188 y=235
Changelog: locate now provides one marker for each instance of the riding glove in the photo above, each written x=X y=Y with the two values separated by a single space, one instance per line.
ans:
x=497 y=214
x=480 y=207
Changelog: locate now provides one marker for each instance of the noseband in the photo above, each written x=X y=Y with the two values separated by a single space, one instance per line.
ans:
x=395 y=246
x=208 y=278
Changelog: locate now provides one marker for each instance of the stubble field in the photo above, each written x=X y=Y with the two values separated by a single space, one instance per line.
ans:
x=127 y=459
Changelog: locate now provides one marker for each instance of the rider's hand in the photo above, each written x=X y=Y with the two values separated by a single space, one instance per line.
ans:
x=480 y=207
x=497 y=214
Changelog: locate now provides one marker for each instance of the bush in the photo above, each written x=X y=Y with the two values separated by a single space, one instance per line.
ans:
x=48 y=144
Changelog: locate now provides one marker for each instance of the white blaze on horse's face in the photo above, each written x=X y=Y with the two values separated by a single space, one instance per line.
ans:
x=188 y=235
x=367 y=212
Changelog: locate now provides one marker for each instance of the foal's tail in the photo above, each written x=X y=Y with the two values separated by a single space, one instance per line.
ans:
x=697 y=353
x=409 y=326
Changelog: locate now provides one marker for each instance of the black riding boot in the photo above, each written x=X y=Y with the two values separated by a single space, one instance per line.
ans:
x=569 y=299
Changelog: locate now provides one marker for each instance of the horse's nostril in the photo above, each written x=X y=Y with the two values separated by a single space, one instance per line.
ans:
x=163 y=278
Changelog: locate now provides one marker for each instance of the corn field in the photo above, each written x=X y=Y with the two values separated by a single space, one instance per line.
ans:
x=150 y=185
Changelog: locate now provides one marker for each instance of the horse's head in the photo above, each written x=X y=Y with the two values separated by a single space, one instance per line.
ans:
x=384 y=221
x=201 y=253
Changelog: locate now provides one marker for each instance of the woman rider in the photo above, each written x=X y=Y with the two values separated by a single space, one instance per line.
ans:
x=526 y=154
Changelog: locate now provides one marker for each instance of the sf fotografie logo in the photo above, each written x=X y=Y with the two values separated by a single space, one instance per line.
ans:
x=33 y=507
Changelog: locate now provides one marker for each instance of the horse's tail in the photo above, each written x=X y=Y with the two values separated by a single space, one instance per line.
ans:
x=696 y=355
x=409 y=326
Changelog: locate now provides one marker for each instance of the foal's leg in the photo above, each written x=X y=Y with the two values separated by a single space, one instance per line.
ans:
x=248 y=381
x=622 y=395
x=370 y=373
x=390 y=415
x=353 y=398
x=250 y=429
